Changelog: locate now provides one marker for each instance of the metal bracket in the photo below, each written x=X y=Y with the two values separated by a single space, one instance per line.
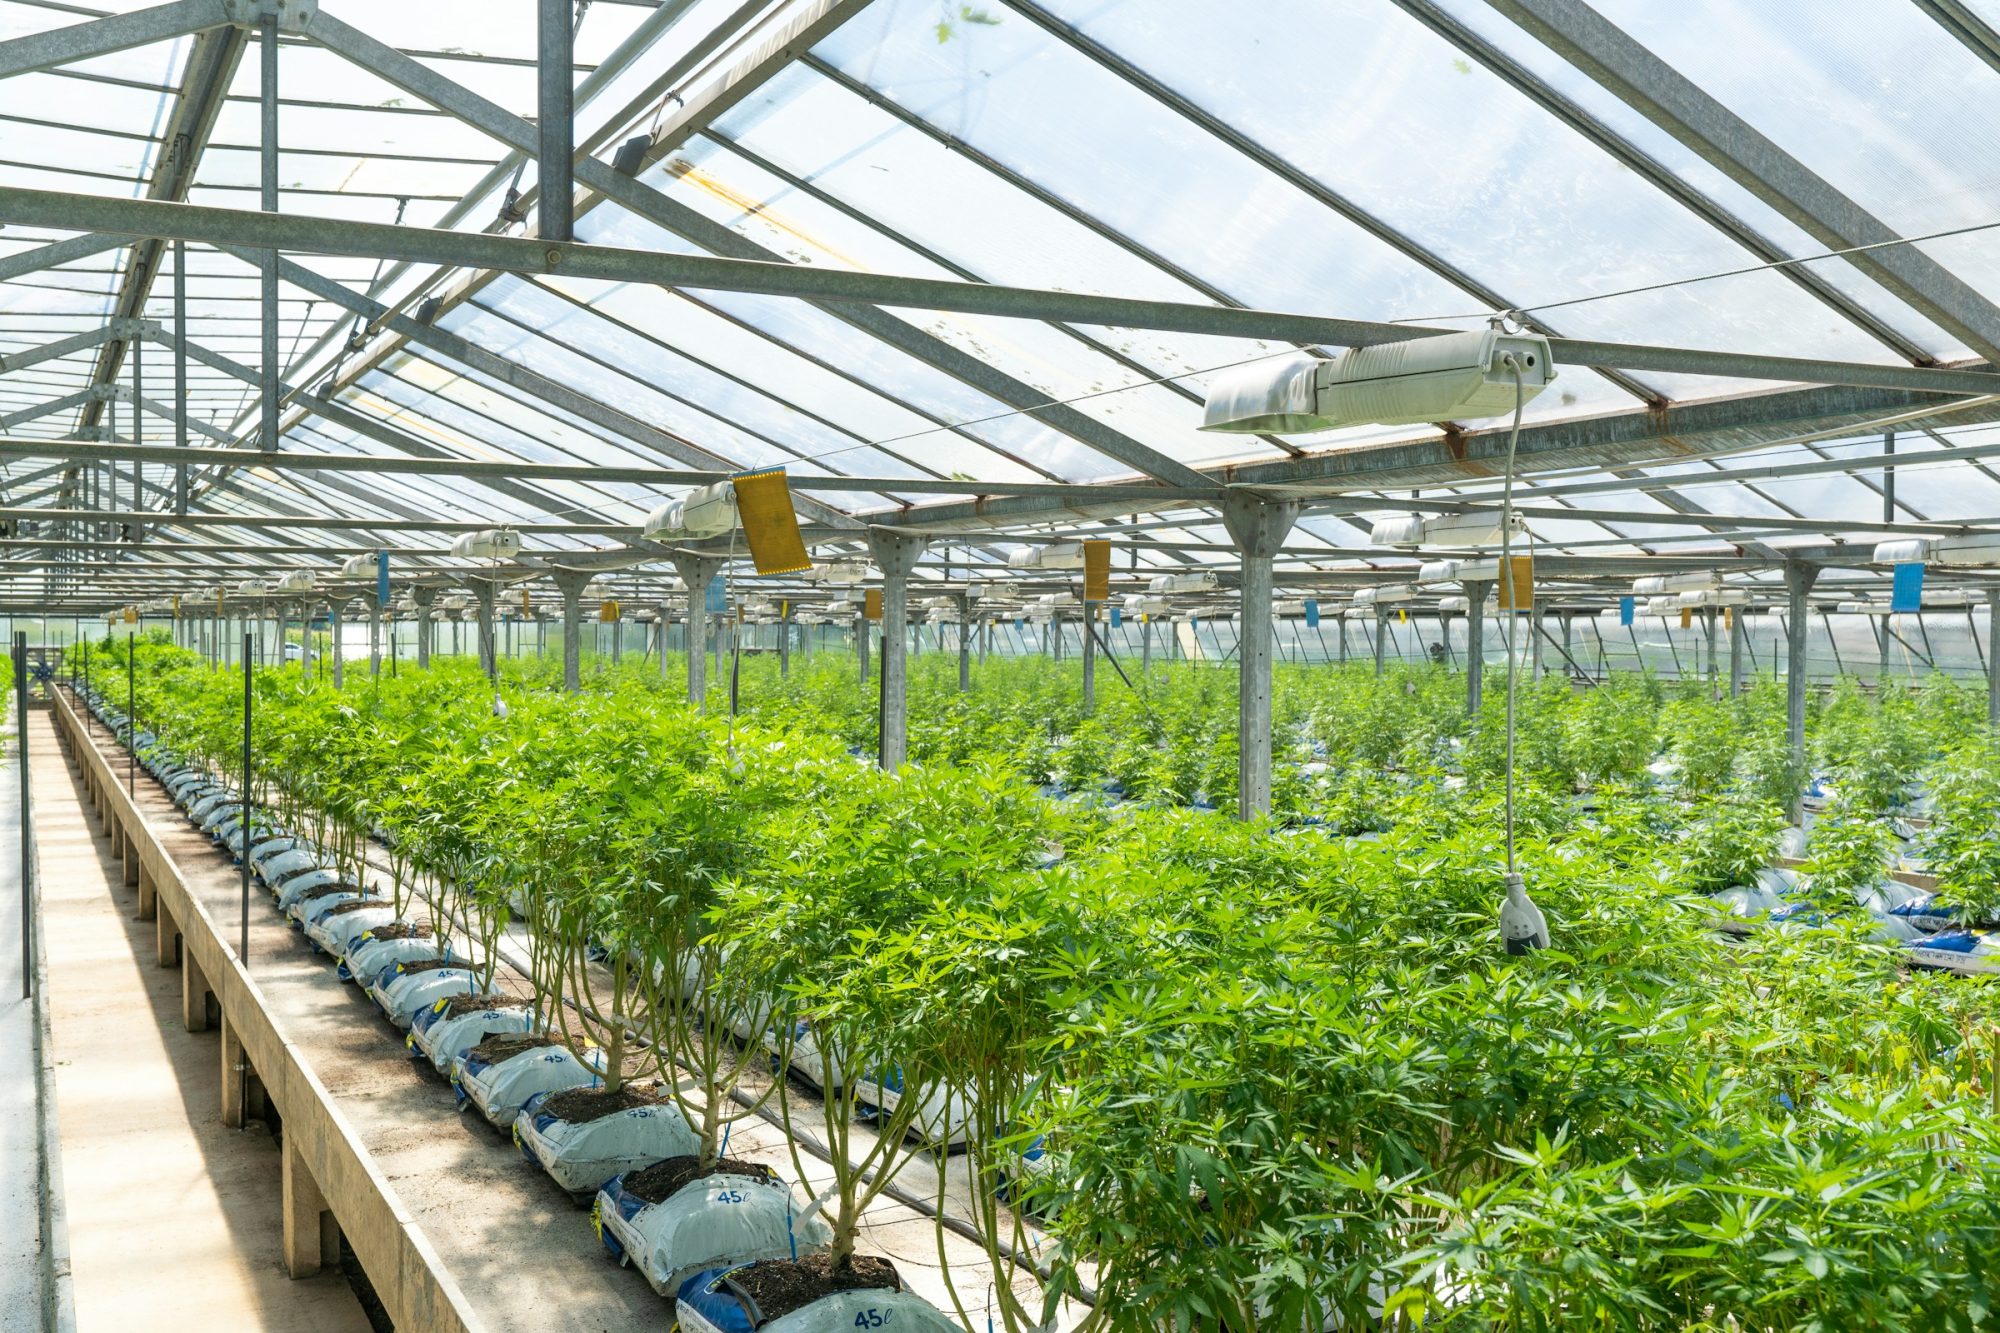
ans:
x=291 y=15
x=136 y=328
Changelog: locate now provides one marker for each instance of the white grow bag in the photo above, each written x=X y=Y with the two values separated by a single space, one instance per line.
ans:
x=443 y=1040
x=336 y=934
x=725 y=1219
x=582 y=1157
x=402 y=994
x=295 y=889
x=367 y=959
x=304 y=910
x=807 y=1060
x=709 y=1303
x=499 y=1091
x=940 y=1119
x=298 y=859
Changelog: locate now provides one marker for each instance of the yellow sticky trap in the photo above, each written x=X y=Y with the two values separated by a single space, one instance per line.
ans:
x=608 y=611
x=131 y=615
x=1097 y=571
x=871 y=604
x=770 y=524
x=218 y=603
x=1687 y=617
x=527 y=608
x=1402 y=615
x=177 y=606
x=1517 y=591
x=1729 y=617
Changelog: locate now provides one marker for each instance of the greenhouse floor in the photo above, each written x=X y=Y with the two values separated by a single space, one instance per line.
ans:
x=522 y=1252
x=173 y=1219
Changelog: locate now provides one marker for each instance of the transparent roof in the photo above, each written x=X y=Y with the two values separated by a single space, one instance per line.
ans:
x=1431 y=162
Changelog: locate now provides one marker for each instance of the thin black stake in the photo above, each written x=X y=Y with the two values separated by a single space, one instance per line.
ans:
x=27 y=825
x=243 y=928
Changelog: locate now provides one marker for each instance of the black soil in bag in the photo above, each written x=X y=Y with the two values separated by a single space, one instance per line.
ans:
x=663 y=1180
x=779 y=1286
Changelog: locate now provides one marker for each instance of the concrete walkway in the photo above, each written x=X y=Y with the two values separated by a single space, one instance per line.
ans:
x=173 y=1219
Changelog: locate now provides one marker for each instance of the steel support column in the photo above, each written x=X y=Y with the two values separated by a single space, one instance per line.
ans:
x=1993 y=657
x=426 y=628
x=556 y=125
x=570 y=583
x=1475 y=646
x=336 y=612
x=485 y=591
x=965 y=632
x=895 y=554
x=1735 y=651
x=267 y=147
x=696 y=572
x=1259 y=527
x=1799 y=579
x=1088 y=625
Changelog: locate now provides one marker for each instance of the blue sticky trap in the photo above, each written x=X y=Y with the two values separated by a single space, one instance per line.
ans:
x=381 y=578
x=717 y=600
x=1312 y=613
x=1018 y=622
x=1117 y=618
x=1906 y=593
x=1626 y=606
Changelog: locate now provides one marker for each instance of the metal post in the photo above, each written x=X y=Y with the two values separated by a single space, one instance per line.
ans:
x=861 y=642
x=1799 y=578
x=268 y=179
x=305 y=639
x=1708 y=635
x=1259 y=528
x=27 y=817
x=137 y=347
x=374 y=637
x=555 y=125
x=1535 y=633
x=966 y=629
x=426 y=629
x=1475 y=646
x=1089 y=624
x=1565 y=621
x=785 y=641
x=1735 y=651
x=243 y=923
x=1993 y=657
x=1881 y=624
x=1146 y=645
x=895 y=554
x=333 y=617
x=132 y=718
x=570 y=583
x=484 y=590
x=696 y=572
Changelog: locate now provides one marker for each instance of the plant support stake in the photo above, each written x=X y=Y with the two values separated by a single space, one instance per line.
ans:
x=132 y=720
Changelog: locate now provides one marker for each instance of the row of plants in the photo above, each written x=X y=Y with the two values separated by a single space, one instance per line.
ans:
x=1276 y=1077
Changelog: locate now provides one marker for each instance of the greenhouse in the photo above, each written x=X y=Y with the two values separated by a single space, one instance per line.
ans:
x=1157 y=665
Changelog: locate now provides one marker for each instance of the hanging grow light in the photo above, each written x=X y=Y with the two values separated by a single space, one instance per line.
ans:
x=1051 y=600
x=299 y=580
x=252 y=588
x=1386 y=593
x=1448 y=377
x=1059 y=555
x=837 y=573
x=1142 y=604
x=1707 y=597
x=1953 y=597
x=1862 y=608
x=1458 y=571
x=357 y=567
x=492 y=544
x=1973 y=549
x=1654 y=585
x=1167 y=585
x=1480 y=528
x=706 y=511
